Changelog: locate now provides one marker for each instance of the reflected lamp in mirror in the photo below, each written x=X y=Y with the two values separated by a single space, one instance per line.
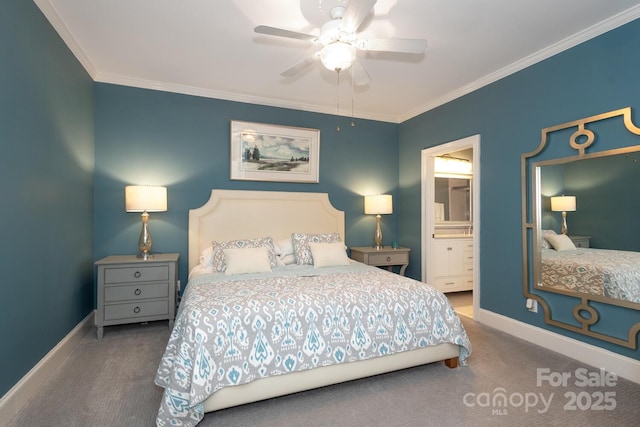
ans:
x=381 y=204
x=145 y=199
x=563 y=204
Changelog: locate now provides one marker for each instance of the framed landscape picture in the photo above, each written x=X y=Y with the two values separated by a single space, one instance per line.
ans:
x=264 y=152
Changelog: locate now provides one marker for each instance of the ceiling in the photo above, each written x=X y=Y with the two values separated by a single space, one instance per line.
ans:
x=208 y=48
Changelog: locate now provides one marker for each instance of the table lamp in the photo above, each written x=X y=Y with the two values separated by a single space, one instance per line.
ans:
x=145 y=199
x=380 y=204
x=563 y=204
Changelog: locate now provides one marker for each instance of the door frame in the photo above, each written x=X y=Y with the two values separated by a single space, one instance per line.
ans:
x=427 y=182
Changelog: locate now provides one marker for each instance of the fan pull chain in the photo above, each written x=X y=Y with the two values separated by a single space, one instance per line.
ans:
x=338 y=102
x=352 y=95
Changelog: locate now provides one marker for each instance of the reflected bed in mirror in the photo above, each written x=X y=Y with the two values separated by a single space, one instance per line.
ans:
x=603 y=216
x=583 y=256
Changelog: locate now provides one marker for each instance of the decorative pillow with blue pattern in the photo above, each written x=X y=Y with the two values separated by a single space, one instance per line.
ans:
x=301 y=245
x=219 y=247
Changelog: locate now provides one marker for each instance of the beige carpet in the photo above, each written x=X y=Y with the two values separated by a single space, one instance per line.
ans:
x=109 y=383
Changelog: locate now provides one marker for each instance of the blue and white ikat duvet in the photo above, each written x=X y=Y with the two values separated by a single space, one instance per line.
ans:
x=232 y=330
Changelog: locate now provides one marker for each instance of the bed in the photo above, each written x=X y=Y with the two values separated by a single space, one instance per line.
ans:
x=266 y=332
x=602 y=272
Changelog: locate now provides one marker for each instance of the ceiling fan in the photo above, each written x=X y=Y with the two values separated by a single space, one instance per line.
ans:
x=339 y=42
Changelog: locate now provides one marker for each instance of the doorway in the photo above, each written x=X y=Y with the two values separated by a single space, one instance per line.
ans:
x=462 y=232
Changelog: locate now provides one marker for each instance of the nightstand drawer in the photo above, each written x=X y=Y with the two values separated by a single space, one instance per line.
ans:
x=136 y=274
x=136 y=292
x=133 y=310
x=389 y=258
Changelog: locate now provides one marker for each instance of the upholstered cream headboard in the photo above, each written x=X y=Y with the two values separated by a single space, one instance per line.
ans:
x=241 y=214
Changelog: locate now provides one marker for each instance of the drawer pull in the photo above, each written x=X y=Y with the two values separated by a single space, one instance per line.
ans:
x=136 y=310
x=450 y=283
x=388 y=259
x=137 y=274
x=137 y=292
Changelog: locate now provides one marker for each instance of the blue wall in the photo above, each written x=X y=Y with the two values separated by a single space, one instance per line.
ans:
x=182 y=142
x=594 y=77
x=60 y=216
x=46 y=176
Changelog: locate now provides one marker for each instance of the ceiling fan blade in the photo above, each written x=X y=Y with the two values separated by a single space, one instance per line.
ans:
x=280 y=32
x=359 y=74
x=300 y=65
x=394 y=45
x=355 y=13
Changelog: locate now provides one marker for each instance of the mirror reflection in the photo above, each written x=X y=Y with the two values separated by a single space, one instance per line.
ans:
x=452 y=199
x=588 y=227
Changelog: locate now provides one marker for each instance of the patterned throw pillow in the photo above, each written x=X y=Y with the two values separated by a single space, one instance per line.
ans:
x=301 y=245
x=544 y=243
x=219 y=247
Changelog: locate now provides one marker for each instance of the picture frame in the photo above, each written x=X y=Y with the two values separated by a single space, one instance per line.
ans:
x=266 y=152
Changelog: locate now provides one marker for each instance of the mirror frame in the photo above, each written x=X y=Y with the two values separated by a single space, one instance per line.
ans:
x=583 y=312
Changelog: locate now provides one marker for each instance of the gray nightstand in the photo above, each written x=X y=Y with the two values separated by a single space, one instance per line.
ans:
x=580 y=241
x=385 y=257
x=132 y=290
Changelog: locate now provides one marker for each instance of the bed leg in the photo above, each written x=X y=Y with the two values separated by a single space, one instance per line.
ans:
x=451 y=363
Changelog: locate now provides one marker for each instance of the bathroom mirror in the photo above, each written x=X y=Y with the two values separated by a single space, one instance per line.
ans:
x=596 y=261
x=452 y=199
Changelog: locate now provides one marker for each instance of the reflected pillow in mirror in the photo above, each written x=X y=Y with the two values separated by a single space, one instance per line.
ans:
x=561 y=242
x=544 y=244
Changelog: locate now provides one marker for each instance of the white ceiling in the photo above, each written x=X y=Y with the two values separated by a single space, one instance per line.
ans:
x=208 y=48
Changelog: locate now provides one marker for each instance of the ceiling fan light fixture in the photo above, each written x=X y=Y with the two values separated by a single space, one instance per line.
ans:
x=338 y=56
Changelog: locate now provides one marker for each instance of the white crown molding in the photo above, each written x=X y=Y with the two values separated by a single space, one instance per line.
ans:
x=59 y=25
x=572 y=41
x=56 y=21
x=597 y=357
x=228 y=96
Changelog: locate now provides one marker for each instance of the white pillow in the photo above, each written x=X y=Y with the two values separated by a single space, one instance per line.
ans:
x=247 y=260
x=283 y=247
x=561 y=242
x=284 y=252
x=328 y=254
x=206 y=257
x=301 y=245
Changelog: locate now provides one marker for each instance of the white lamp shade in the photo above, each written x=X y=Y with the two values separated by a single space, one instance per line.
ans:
x=380 y=204
x=338 y=56
x=563 y=203
x=140 y=198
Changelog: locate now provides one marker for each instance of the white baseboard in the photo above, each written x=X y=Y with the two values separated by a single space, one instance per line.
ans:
x=597 y=357
x=20 y=394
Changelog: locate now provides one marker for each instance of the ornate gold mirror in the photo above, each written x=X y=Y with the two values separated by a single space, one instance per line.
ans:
x=581 y=230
